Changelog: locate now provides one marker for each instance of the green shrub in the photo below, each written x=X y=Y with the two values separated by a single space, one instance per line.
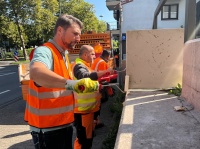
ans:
x=9 y=55
x=176 y=90
x=27 y=50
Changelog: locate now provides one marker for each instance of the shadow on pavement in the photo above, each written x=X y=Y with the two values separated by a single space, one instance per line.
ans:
x=17 y=134
x=23 y=145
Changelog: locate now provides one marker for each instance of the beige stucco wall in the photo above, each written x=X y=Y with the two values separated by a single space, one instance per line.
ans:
x=154 y=58
x=191 y=72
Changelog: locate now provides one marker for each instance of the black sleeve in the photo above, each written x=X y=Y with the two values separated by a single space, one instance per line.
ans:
x=81 y=71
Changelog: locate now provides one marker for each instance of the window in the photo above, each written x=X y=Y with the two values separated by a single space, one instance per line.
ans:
x=169 y=12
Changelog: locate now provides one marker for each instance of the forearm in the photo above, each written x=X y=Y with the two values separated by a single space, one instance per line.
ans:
x=41 y=75
x=101 y=73
x=82 y=72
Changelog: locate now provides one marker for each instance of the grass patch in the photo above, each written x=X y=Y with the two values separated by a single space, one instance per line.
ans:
x=21 y=62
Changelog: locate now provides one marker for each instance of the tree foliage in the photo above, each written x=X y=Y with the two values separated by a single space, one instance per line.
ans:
x=16 y=12
x=43 y=19
x=29 y=23
x=86 y=13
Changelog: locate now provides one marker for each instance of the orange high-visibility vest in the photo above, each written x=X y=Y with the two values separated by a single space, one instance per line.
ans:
x=50 y=107
x=99 y=64
x=85 y=102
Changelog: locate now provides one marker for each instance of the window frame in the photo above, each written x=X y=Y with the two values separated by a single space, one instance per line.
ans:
x=169 y=12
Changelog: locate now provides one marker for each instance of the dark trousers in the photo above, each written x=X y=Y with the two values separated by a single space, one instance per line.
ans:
x=57 y=139
x=84 y=130
x=104 y=98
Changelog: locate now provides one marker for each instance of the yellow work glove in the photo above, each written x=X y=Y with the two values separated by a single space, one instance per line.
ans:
x=70 y=84
x=85 y=85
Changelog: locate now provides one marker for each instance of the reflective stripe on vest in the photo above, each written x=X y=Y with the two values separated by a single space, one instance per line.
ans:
x=97 y=65
x=86 y=102
x=54 y=94
x=50 y=107
x=54 y=111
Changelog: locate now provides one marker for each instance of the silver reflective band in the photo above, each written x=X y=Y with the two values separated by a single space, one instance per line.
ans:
x=97 y=65
x=85 y=95
x=44 y=112
x=53 y=94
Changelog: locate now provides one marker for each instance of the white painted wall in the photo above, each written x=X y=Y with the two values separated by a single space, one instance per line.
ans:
x=138 y=14
x=173 y=23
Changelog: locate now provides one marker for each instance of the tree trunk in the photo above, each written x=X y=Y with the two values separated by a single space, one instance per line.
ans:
x=22 y=41
x=20 y=36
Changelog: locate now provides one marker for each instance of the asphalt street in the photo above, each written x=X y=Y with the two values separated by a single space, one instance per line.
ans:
x=10 y=87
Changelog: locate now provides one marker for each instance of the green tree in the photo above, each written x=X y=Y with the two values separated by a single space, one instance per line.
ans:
x=43 y=19
x=8 y=29
x=27 y=22
x=85 y=12
x=18 y=13
x=102 y=27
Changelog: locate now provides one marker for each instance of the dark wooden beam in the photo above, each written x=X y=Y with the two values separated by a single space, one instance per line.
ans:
x=159 y=7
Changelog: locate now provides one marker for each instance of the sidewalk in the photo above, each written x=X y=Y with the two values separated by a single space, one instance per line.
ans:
x=149 y=121
x=5 y=63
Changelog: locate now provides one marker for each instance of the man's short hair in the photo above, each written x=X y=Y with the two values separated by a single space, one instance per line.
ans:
x=66 y=21
x=105 y=53
x=84 y=48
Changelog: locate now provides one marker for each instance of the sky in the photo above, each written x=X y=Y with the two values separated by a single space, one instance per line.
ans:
x=102 y=10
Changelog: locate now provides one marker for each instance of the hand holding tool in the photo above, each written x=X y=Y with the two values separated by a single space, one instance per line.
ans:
x=85 y=85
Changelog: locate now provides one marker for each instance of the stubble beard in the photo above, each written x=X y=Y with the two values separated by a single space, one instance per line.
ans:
x=72 y=45
x=69 y=46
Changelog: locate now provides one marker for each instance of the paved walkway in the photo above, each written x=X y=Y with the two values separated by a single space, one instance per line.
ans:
x=149 y=121
x=4 y=63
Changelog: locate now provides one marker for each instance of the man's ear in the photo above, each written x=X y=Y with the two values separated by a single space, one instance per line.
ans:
x=59 y=29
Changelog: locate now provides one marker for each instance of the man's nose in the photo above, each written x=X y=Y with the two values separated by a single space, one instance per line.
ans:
x=78 y=38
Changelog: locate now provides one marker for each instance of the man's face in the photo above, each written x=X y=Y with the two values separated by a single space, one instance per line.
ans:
x=90 y=56
x=70 y=37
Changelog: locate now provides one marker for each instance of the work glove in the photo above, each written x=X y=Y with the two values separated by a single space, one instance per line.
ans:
x=85 y=85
